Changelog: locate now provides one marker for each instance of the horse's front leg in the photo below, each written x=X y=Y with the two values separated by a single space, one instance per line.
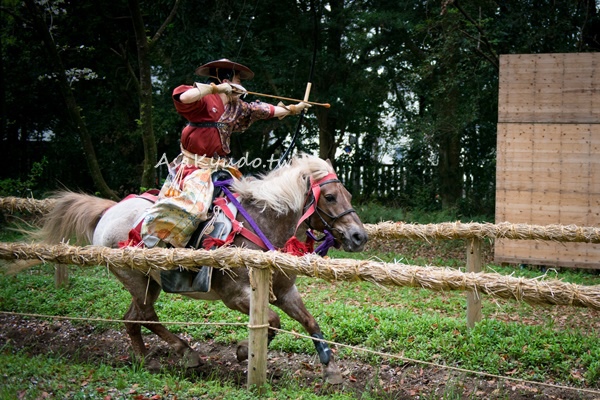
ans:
x=291 y=303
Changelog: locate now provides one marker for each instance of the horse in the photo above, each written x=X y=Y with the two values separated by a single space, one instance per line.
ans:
x=276 y=201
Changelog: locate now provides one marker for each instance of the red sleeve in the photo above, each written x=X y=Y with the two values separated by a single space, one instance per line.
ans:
x=209 y=108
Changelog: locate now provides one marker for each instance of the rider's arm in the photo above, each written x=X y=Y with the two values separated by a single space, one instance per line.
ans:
x=282 y=111
x=201 y=89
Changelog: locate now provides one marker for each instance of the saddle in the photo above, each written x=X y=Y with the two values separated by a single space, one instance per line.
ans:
x=218 y=227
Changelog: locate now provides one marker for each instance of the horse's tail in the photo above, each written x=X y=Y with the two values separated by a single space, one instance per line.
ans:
x=72 y=219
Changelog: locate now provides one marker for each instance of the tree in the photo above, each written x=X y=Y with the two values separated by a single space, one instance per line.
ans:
x=413 y=78
x=144 y=85
x=77 y=120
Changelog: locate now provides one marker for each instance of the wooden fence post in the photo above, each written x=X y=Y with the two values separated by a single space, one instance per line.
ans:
x=61 y=275
x=258 y=327
x=474 y=263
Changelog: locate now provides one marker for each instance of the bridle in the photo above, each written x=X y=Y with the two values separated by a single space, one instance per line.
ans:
x=312 y=207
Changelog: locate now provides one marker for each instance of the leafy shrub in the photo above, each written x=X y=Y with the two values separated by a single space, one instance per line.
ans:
x=17 y=187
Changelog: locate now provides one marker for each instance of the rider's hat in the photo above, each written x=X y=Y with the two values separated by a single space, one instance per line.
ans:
x=211 y=69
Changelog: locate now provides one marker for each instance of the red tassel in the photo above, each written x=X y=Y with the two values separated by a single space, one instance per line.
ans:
x=134 y=239
x=211 y=242
x=295 y=247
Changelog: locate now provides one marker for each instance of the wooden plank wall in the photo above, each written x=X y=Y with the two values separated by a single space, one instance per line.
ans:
x=548 y=153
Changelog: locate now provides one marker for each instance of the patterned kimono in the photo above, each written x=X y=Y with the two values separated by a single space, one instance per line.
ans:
x=186 y=195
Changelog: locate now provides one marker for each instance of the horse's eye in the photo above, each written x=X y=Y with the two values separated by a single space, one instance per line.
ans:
x=330 y=198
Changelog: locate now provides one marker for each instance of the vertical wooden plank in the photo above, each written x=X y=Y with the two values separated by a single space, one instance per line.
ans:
x=61 y=276
x=473 y=265
x=547 y=153
x=259 y=326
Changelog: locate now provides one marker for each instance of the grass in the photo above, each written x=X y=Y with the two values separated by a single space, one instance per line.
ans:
x=405 y=321
x=40 y=377
x=542 y=343
x=374 y=212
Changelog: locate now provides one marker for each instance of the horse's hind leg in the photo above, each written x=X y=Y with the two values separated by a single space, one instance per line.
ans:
x=144 y=291
x=134 y=331
x=241 y=302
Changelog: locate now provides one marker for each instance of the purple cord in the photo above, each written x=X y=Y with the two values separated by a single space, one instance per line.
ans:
x=224 y=186
x=328 y=242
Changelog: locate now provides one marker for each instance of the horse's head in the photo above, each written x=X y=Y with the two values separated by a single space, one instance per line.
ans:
x=333 y=212
x=326 y=206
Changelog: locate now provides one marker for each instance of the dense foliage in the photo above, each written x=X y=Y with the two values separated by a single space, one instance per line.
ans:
x=87 y=86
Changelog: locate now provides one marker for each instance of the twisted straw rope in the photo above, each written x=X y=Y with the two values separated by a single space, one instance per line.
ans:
x=532 y=291
x=503 y=230
x=394 y=230
x=29 y=205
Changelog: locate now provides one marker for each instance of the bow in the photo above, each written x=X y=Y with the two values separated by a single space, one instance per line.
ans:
x=308 y=87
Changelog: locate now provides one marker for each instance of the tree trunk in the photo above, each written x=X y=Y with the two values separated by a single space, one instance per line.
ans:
x=449 y=170
x=327 y=145
x=145 y=93
x=591 y=30
x=72 y=107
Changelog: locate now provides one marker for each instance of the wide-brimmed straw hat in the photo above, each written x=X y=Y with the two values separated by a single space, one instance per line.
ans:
x=243 y=71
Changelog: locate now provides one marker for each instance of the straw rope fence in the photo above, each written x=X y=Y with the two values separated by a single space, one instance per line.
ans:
x=27 y=205
x=503 y=230
x=394 y=231
x=260 y=264
x=533 y=291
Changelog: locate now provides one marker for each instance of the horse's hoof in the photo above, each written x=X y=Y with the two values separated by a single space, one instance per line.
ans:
x=332 y=373
x=191 y=359
x=242 y=351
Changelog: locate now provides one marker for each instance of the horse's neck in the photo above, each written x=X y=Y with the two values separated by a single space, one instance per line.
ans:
x=277 y=228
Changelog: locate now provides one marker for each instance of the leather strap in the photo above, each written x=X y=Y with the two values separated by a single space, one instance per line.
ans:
x=315 y=187
x=237 y=227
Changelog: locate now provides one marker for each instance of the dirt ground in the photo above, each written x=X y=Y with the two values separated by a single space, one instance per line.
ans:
x=409 y=381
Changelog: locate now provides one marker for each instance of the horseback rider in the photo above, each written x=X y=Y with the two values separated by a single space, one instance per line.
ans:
x=213 y=110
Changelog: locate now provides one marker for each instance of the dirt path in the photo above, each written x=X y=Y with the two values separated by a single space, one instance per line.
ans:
x=88 y=344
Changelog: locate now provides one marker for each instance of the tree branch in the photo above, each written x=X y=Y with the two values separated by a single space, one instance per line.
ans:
x=123 y=56
x=168 y=20
x=495 y=61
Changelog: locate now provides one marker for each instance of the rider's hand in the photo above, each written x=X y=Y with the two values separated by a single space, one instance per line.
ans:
x=238 y=89
x=296 y=109
x=205 y=89
x=222 y=88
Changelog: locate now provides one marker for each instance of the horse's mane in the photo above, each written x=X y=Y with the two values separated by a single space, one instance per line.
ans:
x=283 y=189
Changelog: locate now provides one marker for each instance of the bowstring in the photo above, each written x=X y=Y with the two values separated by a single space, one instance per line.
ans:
x=288 y=151
x=247 y=27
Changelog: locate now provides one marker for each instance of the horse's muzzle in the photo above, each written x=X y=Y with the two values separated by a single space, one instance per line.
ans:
x=354 y=239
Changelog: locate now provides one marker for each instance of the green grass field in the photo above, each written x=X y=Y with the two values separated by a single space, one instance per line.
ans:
x=542 y=343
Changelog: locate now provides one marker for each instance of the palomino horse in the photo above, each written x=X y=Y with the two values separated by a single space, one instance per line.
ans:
x=276 y=203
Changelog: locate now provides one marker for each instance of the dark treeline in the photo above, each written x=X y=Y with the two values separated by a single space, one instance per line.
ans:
x=86 y=86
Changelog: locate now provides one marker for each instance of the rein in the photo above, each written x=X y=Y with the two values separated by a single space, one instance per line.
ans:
x=310 y=208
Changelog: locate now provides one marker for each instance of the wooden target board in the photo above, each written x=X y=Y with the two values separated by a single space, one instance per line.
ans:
x=548 y=153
